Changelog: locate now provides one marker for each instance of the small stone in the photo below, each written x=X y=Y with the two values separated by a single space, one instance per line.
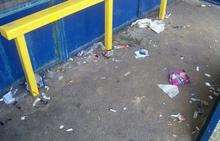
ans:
x=23 y=117
x=112 y=110
x=61 y=126
x=208 y=84
x=210 y=97
x=207 y=75
x=69 y=130
x=126 y=74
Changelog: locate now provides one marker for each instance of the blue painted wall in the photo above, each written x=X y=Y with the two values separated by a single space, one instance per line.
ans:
x=217 y=2
x=211 y=124
x=56 y=42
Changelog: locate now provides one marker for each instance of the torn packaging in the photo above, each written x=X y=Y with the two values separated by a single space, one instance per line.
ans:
x=170 y=90
x=156 y=25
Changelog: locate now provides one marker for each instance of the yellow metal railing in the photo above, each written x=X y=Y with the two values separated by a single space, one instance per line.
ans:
x=163 y=8
x=17 y=29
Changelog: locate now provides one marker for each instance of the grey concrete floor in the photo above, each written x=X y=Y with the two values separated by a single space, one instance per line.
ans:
x=83 y=98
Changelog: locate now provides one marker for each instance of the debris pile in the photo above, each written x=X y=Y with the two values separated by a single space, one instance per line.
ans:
x=43 y=99
x=176 y=78
x=156 y=25
x=94 y=53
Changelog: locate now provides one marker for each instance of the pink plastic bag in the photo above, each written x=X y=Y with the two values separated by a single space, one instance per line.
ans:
x=179 y=77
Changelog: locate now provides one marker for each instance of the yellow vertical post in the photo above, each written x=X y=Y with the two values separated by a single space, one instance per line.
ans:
x=26 y=64
x=163 y=8
x=108 y=24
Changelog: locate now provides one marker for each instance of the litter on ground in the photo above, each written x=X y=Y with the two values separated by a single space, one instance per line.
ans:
x=194 y=99
x=70 y=59
x=179 y=117
x=207 y=75
x=126 y=74
x=141 y=53
x=125 y=108
x=23 y=117
x=36 y=101
x=179 y=77
x=197 y=68
x=168 y=15
x=121 y=46
x=44 y=96
x=170 y=90
x=210 y=97
x=156 y=25
x=9 y=97
x=207 y=84
x=205 y=5
x=69 y=130
x=61 y=127
x=195 y=114
x=112 y=110
x=47 y=88
x=108 y=54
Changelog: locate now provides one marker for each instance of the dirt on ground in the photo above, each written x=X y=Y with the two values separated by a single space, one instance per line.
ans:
x=118 y=99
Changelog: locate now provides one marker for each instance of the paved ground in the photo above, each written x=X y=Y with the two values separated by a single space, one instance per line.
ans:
x=83 y=98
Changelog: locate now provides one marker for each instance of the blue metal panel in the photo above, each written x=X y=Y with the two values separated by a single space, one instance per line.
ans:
x=148 y=5
x=42 y=47
x=5 y=75
x=125 y=11
x=40 y=43
x=9 y=7
x=11 y=65
x=83 y=24
x=88 y=23
x=57 y=41
x=211 y=124
x=217 y=2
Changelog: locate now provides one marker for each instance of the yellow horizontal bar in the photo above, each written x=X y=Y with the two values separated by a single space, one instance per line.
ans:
x=44 y=17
